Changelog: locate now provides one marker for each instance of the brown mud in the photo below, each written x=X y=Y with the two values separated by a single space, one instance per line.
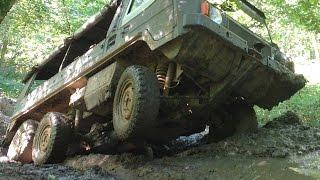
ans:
x=283 y=148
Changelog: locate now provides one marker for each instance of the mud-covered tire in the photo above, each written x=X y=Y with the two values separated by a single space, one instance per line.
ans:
x=244 y=118
x=136 y=102
x=220 y=125
x=20 y=148
x=235 y=118
x=51 y=139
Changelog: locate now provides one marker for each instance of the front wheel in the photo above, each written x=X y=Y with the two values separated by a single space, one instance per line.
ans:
x=51 y=139
x=235 y=118
x=244 y=117
x=136 y=102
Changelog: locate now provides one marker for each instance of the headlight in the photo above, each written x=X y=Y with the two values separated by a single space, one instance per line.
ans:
x=212 y=12
x=215 y=15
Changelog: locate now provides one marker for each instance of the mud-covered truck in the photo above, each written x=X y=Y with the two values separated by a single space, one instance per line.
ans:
x=148 y=71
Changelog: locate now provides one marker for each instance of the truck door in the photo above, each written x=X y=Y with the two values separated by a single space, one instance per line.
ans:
x=154 y=16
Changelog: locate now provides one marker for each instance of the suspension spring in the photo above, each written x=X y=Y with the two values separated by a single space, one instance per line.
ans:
x=161 y=73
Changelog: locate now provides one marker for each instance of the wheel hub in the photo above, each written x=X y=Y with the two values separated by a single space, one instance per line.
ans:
x=44 y=138
x=126 y=103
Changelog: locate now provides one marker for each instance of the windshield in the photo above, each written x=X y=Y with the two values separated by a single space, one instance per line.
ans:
x=244 y=5
x=246 y=14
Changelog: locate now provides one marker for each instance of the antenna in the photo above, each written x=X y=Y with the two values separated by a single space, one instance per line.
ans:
x=269 y=32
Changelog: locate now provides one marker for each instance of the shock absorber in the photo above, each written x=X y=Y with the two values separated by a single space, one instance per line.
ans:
x=165 y=73
x=161 y=73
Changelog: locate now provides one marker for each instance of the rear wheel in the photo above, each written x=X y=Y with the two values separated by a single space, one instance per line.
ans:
x=136 y=102
x=20 y=148
x=52 y=139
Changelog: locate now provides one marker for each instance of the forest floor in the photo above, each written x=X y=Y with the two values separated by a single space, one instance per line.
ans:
x=282 y=148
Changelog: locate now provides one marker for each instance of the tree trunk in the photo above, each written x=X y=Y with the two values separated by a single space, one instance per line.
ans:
x=3 y=51
x=5 y=6
x=316 y=46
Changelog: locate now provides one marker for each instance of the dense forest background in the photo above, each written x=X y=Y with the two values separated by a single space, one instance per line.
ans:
x=33 y=28
x=5 y=6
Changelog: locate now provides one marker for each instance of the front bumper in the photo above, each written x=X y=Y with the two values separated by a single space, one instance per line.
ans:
x=220 y=59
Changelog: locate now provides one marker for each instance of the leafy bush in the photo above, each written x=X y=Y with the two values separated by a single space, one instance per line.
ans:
x=306 y=103
x=10 y=87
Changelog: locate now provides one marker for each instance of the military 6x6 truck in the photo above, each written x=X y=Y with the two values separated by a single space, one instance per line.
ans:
x=149 y=71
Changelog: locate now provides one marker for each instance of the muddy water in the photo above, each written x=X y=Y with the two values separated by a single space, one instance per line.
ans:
x=308 y=164
x=205 y=166
x=237 y=167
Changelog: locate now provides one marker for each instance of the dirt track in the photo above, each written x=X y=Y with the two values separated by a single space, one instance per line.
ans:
x=282 y=149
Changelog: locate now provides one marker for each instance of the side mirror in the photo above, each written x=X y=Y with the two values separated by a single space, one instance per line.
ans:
x=251 y=10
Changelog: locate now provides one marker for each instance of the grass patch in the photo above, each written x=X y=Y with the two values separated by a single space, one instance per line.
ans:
x=305 y=103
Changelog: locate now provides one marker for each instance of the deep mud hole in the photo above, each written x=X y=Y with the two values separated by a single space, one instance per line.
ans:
x=283 y=148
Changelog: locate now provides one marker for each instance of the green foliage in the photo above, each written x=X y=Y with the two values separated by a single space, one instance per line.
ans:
x=9 y=87
x=33 y=29
x=294 y=25
x=305 y=13
x=5 y=6
x=306 y=103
